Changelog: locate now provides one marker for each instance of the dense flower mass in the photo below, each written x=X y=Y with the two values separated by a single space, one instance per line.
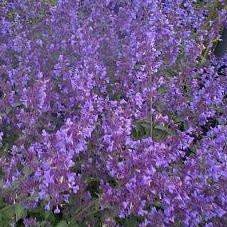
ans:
x=120 y=104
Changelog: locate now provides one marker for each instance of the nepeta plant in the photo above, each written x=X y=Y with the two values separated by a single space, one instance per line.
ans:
x=124 y=93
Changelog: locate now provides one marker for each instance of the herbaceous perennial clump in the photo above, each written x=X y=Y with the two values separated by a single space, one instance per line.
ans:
x=120 y=104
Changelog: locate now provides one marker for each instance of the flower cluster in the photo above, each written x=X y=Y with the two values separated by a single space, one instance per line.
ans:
x=126 y=92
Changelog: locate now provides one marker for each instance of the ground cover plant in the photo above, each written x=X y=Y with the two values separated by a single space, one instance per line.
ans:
x=113 y=113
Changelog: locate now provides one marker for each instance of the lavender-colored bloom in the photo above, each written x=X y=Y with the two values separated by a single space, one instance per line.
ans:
x=78 y=78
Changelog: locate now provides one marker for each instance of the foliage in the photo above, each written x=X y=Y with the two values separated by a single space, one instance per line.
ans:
x=112 y=113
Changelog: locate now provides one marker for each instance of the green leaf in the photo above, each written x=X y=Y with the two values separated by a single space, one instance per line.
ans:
x=62 y=223
x=7 y=215
x=2 y=203
x=11 y=213
x=161 y=132
x=20 y=212
x=52 y=2
x=141 y=129
x=131 y=221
